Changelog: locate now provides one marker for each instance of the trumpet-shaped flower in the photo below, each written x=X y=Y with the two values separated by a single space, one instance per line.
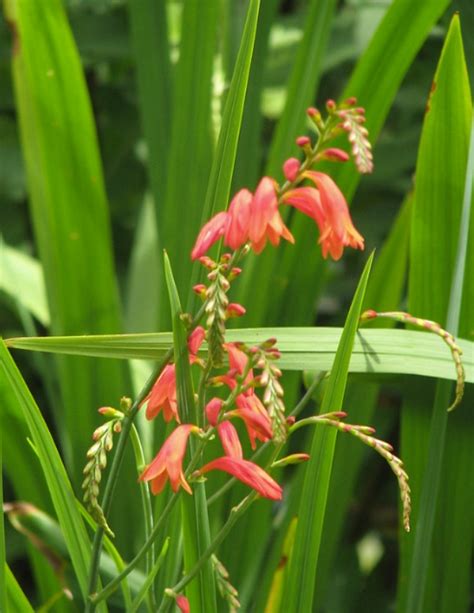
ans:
x=209 y=234
x=230 y=440
x=328 y=207
x=238 y=219
x=249 y=473
x=168 y=463
x=163 y=393
x=255 y=416
x=265 y=221
x=163 y=396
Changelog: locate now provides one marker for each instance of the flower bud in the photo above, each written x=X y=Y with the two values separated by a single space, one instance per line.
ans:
x=234 y=310
x=330 y=105
x=291 y=168
x=333 y=155
x=303 y=141
x=200 y=290
x=294 y=458
x=213 y=408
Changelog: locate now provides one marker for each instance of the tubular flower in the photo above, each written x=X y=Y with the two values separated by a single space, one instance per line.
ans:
x=230 y=440
x=163 y=393
x=183 y=604
x=238 y=219
x=328 y=207
x=209 y=234
x=249 y=473
x=266 y=221
x=168 y=463
x=257 y=421
x=163 y=396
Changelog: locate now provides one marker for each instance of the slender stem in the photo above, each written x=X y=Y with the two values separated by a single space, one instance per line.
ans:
x=112 y=586
x=114 y=472
x=147 y=511
x=235 y=513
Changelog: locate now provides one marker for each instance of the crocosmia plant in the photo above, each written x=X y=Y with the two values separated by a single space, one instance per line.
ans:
x=250 y=406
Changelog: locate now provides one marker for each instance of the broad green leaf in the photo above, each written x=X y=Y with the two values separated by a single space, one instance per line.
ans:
x=299 y=584
x=196 y=533
x=15 y=597
x=21 y=277
x=59 y=487
x=70 y=215
x=438 y=255
x=375 y=82
x=375 y=350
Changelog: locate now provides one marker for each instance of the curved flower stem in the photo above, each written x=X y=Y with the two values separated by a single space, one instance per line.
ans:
x=112 y=586
x=114 y=472
x=235 y=513
x=296 y=411
x=147 y=510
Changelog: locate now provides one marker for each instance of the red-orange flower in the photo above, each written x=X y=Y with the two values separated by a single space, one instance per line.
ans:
x=183 y=604
x=230 y=440
x=255 y=416
x=168 y=463
x=209 y=234
x=249 y=473
x=266 y=221
x=328 y=207
x=163 y=396
x=163 y=393
x=238 y=219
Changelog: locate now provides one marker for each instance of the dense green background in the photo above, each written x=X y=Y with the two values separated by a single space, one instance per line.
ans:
x=158 y=120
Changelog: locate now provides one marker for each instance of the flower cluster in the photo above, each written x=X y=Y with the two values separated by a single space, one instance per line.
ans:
x=255 y=218
x=252 y=220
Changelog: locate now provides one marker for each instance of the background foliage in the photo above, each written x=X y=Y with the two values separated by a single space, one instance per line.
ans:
x=130 y=120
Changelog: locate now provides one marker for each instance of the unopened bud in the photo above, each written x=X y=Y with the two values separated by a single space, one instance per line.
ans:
x=294 y=458
x=312 y=112
x=207 y=262
x=234 y=273
x=291 y=168
x=351 y=101
x=330 y=105
x=303 y=141
x=234 y=310
x=333 y=155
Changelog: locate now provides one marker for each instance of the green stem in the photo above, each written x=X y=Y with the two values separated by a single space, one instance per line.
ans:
x=112 y=586
x=114 y=473
x=235 y=513
x=147 y=510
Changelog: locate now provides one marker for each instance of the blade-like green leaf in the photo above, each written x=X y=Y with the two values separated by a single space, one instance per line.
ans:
x=70 y=215
x=375 y=83
x=15 y=597
x=220 y=179
x=196 y=533
x=191 y=150
x=57 y=480
x=303 y=82
x=375 y=351
x=391 y=264
x=299 y=584
x=438 y=253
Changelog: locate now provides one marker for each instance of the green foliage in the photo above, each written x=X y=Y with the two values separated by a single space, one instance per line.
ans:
x=123 y=127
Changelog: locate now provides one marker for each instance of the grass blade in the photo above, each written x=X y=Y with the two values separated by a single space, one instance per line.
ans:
x=196 y=532
x=299 y=585
x=57 y=480
x=15 y=597
x=69 y=211
x=433 y=293
x=3 y=557
x=375 y=82
x=375 y=351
